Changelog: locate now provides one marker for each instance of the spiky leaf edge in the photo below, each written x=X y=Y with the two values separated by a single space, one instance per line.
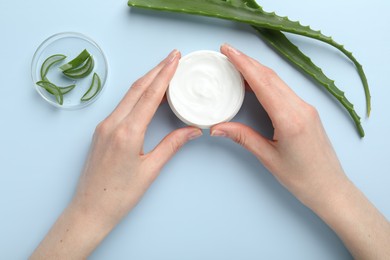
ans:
x=286 y=48
x=251 y=13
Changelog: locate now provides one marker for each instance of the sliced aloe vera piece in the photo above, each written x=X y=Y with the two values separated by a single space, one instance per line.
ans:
x=50 y=61
x=76 y=62
x=67 y=89
x=94 y=89
x=63 y=90
x=53 y=89
x=81 y=72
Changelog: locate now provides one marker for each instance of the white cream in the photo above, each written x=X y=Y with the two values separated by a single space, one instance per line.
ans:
x=206 y=89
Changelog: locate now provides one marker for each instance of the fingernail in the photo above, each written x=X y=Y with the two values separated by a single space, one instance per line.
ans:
x=218 y=133
x=231 y=49
x=172 y=56
x=195 y=134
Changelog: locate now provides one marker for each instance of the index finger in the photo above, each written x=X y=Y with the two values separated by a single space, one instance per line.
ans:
x=270 y=90
x=146 y=107
x=135 y=92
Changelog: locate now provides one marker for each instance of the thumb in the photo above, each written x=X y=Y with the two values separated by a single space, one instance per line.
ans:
x=244 y=135
x=171 y=144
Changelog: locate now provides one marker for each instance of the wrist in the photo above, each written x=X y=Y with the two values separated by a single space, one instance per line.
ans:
x=362 y=228
x=332 y=198
x=83 y=230
x=75 y=235
x=323 y=195
x=93 y=219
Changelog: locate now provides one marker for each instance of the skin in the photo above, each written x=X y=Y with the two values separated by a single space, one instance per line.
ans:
x=300 y=156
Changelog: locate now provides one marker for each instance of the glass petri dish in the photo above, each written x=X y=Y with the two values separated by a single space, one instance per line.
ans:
x=69 y=44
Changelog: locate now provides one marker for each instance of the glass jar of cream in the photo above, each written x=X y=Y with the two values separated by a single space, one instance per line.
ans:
x=206 y=89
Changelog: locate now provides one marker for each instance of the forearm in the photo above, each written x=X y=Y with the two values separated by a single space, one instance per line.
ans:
x=75 y=235
x=362 y=228
x=301 y=157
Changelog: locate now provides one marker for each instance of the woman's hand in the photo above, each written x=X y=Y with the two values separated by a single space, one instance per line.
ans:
x=300 y=154
x=117 y=172
x=301 y=157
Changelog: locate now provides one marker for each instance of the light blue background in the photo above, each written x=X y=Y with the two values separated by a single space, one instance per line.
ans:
x=214 y=200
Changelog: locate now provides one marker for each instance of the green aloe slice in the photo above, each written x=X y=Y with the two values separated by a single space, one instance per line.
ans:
x=53 y=89
x=94 y=89
x=50 y=61
x=67 y=89
x=63 y=90
x=251 y=13
x=76 y=62
x=280 y=43
x=81 y=72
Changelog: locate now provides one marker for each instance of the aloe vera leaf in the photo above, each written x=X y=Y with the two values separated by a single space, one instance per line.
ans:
x=286 y=48
x=94 y=89
x=63 y=90
x=81 y=72
x=76 y=62
x=280 y=42
x=50 y=62
x=53 y=89
x=250 y=12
